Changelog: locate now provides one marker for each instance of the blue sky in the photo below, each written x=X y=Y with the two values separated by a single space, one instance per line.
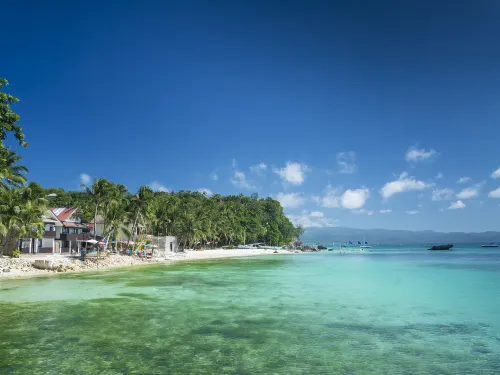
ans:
x=342 y=110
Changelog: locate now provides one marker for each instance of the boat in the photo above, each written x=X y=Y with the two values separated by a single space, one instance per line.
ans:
x=347 y=245
x=365 y=246
x=491 y=244
x=441 y=247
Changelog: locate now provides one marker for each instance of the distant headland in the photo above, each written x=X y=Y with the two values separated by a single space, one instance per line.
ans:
x=389 y=236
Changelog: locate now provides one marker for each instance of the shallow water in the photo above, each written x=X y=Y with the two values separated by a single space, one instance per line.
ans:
x=389 y=311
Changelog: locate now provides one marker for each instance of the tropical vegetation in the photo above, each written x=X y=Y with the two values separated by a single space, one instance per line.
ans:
x=196 y=219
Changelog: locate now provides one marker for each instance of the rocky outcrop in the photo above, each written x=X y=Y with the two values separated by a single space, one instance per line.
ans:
x=9 y=264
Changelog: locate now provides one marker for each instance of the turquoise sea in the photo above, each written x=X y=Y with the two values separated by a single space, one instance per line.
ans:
x=399 y=310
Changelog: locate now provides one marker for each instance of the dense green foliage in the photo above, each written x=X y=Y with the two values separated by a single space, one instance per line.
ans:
x=194 y=218
x=8 y=118
x=21 y=213
x=21 y=207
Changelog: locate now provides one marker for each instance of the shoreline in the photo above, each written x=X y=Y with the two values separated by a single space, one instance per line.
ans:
x=22 y=268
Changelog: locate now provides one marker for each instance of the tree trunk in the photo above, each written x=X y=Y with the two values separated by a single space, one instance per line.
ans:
x=11 y=242
x=133 y=230
x=95 y=217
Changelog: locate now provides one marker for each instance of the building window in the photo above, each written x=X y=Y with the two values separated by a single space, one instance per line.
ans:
x=65 y=230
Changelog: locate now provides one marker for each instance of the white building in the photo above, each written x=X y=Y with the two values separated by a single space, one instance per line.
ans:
x=63 y=227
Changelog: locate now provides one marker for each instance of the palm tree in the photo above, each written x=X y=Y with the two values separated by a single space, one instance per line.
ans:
x=115 y=212
x=165 y=212
x=114 y=208
x=97 y=192
x=140 y=209
x=116 y=223
x=9 y=217
x=21 y=216
x=11 y=174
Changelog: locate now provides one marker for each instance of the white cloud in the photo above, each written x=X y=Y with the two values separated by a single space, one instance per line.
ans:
x=355 y=199
x=291 y=200
x=496 y=174
x=439 y=176
x=414 y=212
x=385 y=211
x=456 y=205
x=157 y=186
x=85 y=179
x=313 y=219
x=402 y=184
x=316 y=199
x=206 y=191
x=494 y=193
x=259 y=168
x=293 y=173
x=419 y=154
x=442 y=194
x=363 y=211
x=469 y=192
x=240 y=180
x=463 y=180
x=346 y=162
x=331 y=199
x=213 y=176
x=337 y=198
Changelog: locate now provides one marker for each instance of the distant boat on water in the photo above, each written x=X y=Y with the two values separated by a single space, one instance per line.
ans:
x=491 y=244
x=365 y=246
x=441 y=247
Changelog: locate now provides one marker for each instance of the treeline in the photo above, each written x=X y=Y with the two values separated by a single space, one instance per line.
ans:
x=194 y=218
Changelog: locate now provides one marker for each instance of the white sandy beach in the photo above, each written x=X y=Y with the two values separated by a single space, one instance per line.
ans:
x=23 y=267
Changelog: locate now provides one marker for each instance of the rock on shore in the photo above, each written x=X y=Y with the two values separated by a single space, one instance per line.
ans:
x=10 y=267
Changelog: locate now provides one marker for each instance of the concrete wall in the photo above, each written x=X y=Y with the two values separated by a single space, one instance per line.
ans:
x=48 y=242
x=99 y=229
x=165 y=245
x=26 y=246
x=171 y=244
